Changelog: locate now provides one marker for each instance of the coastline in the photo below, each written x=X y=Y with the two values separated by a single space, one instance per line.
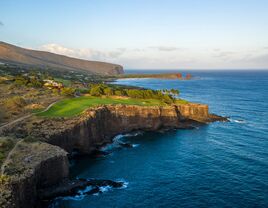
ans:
x=85 y=133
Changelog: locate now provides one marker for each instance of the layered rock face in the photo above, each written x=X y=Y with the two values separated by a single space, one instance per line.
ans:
x=98 y=126
x=43 y=165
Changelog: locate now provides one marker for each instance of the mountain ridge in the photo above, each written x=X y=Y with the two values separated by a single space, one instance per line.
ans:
x=11 y=54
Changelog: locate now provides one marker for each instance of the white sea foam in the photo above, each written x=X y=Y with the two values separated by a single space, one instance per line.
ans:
x=82 y=193
x=137 y=133
x=119 y=139
x=87 y=189
x=125 y=183
x=105 y=188
x=237 y=120
x=135 y=145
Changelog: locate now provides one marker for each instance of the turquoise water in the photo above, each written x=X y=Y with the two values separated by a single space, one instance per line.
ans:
x=218 y=165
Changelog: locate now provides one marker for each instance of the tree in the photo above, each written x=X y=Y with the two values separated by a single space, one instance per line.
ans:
x=167 y=99
x=36 y=82
x=96 y=90
x=175 y=92
x=108 y=91
x=119 y=93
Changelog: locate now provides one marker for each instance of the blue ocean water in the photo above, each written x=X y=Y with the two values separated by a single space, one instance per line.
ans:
x=217 y=165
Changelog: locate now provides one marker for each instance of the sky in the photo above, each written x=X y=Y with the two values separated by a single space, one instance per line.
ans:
x=144 y=34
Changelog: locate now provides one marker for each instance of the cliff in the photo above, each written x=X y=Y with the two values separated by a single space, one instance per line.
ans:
x=30 y=167
x=11 y=54
x=46 y=165
x=97 y=126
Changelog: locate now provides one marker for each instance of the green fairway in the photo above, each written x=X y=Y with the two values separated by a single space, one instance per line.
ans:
x=74 y=106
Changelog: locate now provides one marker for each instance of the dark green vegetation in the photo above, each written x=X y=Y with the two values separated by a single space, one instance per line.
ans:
x=166 y=96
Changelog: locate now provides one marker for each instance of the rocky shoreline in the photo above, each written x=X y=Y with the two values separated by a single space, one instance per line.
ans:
x=42 y=163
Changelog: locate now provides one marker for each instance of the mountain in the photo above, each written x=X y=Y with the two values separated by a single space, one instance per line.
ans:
x=11 y=54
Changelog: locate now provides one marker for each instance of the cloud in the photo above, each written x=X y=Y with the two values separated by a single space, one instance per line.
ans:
x=224 y=54
x=165 y=48
x=84 y=53
x=261 y=60
x=55 y=48
x=153 y=57
x=1 y=23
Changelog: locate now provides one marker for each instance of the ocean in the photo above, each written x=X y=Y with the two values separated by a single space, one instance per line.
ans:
x=223 y=164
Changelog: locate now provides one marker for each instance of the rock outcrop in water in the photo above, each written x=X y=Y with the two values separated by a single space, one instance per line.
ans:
x=44 y=163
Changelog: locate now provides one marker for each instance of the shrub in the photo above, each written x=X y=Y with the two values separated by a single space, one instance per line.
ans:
x=67 y=91
x=15 y=102
x=20 y=81
x=34 y=82
x=4 y=179
x=83 y=90
x=30 y=139
x=2 y=114
x=55 y=91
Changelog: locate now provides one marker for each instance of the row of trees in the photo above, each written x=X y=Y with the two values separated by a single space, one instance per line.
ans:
x=36 y=80
x=167 y=96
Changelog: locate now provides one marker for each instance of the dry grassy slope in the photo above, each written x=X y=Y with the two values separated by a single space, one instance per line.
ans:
x=16 y=55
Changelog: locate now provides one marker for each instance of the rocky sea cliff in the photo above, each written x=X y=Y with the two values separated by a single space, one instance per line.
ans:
x=34 y=166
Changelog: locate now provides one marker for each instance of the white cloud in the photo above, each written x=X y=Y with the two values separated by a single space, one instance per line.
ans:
x=84 y=53
x=176 y=58
x=166 y=48
x=224 y=54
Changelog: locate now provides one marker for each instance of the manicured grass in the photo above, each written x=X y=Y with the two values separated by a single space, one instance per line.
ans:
x=74 y=106
x=37 y=110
